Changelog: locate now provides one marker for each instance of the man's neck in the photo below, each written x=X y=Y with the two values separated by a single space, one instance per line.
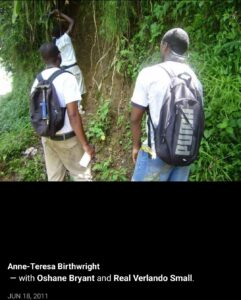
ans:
x=49 y=66
x=175 y=58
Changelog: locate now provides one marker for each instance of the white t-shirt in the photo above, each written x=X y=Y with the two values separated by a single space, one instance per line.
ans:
x=66 y=48
x=67 y=90
x=151 y=86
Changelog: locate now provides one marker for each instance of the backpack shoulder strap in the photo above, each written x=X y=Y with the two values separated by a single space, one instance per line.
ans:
x=181 y=75
x=40 y=77
x=55 y=74
x=149 y=124
x=170 y=74
x=185 y=76
x=149 y=121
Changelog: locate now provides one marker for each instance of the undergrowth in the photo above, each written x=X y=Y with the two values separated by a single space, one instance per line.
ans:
x=133 y=30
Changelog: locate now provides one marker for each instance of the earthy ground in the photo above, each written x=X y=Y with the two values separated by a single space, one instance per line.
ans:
x=95 y=57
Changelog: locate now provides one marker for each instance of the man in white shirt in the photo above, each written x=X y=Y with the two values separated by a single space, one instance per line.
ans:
x=64 y=151
x=151 y=86
x=64 y=43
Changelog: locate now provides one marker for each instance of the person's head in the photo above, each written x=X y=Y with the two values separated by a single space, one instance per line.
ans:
x=50 y=54
x=174 y=44
x=57 y=31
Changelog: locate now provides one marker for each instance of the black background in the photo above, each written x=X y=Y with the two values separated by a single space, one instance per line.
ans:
x=128 y=228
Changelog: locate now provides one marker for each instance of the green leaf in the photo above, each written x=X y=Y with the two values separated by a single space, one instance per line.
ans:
x=118 y=66
x=223 y=125
x=229 y=130
x=208 y=133
x=16 y=10
x=239 y=123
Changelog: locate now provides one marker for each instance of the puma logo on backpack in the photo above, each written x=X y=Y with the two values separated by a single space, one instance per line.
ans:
x=179 y=132
x=47 y=116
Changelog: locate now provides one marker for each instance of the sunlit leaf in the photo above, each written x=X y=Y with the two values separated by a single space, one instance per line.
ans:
x=16 y=10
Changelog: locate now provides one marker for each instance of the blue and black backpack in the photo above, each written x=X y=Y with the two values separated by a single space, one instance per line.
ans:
x=47 y=116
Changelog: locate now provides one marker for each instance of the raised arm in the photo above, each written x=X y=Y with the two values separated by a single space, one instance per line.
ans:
x=59 y=14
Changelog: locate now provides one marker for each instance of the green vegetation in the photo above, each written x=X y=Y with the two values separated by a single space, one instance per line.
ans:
x=133 y=30
x=214 y=29
x=20 y=37
x=100 y=123
x=106 y=171
x=16 y=135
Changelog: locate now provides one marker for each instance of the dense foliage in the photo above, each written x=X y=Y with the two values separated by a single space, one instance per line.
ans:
x=134 y=28
x=214 y=29
x=22 y=30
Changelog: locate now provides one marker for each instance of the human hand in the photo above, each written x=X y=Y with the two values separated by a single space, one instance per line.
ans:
x=90 y=150
x=134 y=154
x=55 y=12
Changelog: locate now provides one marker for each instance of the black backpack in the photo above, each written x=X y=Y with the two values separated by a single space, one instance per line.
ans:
x=47 y=116
x=179 y=132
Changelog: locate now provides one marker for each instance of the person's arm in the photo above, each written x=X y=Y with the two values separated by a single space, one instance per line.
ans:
x=136 y=118
x=76 y=124
x=65 y=17
x=139 y=103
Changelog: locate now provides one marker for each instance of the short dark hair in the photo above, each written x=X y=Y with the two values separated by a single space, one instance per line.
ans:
x=57 y=31
x=49 y=52
x=177 y=39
